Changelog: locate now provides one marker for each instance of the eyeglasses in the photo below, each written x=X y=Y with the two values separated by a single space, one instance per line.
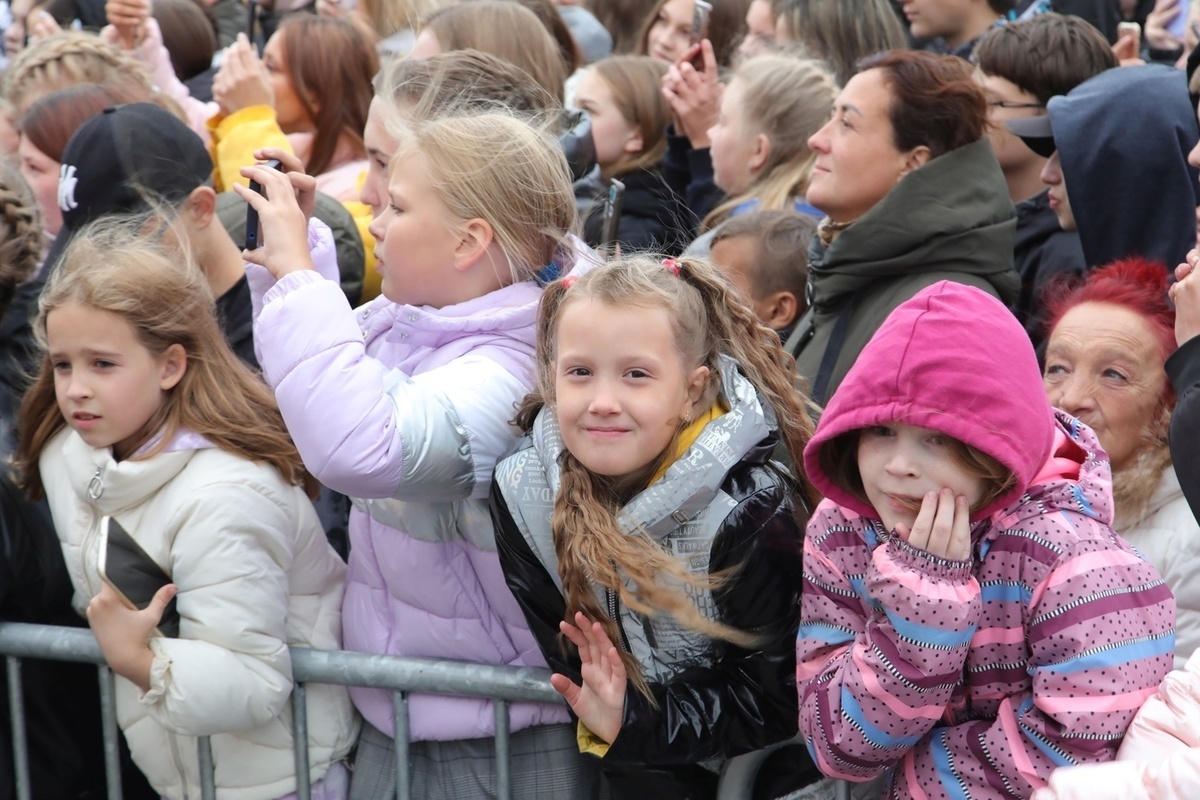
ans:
x=1011 y=104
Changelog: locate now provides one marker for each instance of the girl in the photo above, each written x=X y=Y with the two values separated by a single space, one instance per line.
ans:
x=403 y=405
x=629 y=122
x=969 y=619
x=642 y=510
x=759 y=144
x=141 y=411
x=667 y=32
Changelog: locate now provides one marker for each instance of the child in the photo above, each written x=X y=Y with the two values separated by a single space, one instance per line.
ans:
x=766 y=254
x=759 y=149
x=643 y=511
x=403 y=405
x=141 y=411
x=969 y=619
x=629 y=118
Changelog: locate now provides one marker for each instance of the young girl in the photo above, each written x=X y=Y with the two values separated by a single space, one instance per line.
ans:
x=140 y=411
x=759 y=144
x=642 y=512
x=969 y=619
x=629 y=127
x=403 y=405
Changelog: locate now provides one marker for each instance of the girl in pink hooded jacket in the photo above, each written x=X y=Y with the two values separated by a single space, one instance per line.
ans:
x=969 y=621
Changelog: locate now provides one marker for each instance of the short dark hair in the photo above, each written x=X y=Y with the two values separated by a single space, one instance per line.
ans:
x=935 y=100
x=781 y=249
x=1046 y=55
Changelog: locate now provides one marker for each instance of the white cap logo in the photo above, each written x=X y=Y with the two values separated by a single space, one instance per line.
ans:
x=66 y=188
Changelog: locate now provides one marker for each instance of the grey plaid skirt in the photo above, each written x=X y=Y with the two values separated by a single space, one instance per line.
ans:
x=545 y=765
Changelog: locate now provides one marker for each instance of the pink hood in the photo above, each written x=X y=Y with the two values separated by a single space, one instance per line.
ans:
x=955 y=360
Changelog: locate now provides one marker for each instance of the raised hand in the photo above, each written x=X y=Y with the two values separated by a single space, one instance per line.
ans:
x=124 y=633
x=243 y=80
x=600 y=701
x=942 y=527
x=283 y=221
x=694 y=95
x=1185 y=293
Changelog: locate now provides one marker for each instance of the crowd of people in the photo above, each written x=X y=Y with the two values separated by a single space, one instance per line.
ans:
x=811 y=385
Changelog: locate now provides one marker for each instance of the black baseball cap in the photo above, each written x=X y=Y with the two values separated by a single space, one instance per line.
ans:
x=1035 y=132
x=120 y=160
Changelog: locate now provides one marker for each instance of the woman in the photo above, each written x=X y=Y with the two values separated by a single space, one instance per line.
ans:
x=839 y=31
x=667 y=32
x=912 y=195
x=1109 y=336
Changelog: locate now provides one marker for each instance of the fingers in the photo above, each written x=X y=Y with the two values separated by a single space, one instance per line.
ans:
x=688 y=55
x=566 y=687
x=161 y=598
x=923 y=525
x=942 y=527
x=943 y=524
x=710 y=59
x=288 y=161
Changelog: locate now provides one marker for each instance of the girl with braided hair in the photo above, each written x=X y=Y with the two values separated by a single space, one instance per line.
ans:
x=20 y=253
x=651 y=541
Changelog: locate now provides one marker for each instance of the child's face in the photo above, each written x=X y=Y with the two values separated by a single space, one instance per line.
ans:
x=108 y=385
x=415 y=240
x=380 y=148
x=734 y=148
x=615 y=136
x=900 y=463
x=620 y=387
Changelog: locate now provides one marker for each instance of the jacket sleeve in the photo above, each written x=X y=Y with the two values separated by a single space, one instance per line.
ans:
x=744 y=699
x=534 y=588
x=230 y=669
x=689 y=173
x=236 y=137
x=1159 y=758
x=882 y=643
x=373 y=432
x=1183 y=368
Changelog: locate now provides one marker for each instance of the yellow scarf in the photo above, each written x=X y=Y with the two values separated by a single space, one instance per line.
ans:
x=687 y=437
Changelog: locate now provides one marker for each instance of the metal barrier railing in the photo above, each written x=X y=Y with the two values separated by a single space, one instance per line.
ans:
x=501 y=684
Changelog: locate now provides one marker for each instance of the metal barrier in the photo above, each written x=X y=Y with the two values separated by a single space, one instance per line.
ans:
x=501 y=684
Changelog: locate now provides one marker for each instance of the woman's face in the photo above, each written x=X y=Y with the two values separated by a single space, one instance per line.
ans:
x=857 y=160
x=1104 y=365
x=671 y=33
x=289 y=111
x=41 y=173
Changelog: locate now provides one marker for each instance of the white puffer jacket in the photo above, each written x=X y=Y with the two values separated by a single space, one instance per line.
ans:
x=255 y=575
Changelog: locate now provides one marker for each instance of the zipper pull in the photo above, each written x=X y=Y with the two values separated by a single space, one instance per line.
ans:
x=95 y=488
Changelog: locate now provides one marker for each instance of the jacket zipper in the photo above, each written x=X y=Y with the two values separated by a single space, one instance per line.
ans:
x=178 y=759
x=95 y=490
x=614 y=611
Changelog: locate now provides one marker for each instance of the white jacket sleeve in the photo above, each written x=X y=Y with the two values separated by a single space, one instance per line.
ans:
x=1160 y=757
x=230 y=668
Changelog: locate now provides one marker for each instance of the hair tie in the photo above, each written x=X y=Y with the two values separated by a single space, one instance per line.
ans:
x=672 y=265
x=569 y=281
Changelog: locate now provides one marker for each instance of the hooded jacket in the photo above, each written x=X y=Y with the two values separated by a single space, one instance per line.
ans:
x=973 y=678
x=1042 y=250
x=1124 y=136
x=721 y=505
x=951 y=219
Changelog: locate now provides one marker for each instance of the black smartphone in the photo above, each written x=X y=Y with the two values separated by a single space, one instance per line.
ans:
x=251 y=20
x=133 y=574
x=612 y=213
x=254 y=237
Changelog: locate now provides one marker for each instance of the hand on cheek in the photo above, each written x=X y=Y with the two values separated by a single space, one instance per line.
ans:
x=942 y=527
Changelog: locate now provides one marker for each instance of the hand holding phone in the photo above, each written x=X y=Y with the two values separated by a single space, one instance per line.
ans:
x=701 y=14
x=254 y=236
x=130 y=572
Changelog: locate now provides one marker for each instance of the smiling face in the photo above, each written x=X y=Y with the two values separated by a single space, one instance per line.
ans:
x=857 y=160
x=670 y=35
x=107 y=383
x=415 y=238
x=900 y=463
x=1104 y=365
x=620 y=387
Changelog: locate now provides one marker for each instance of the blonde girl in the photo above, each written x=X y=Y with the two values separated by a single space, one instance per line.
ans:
x=759 y=148
x=140 y=411
x=629 y=117
x=403 y=405
x=650 y=540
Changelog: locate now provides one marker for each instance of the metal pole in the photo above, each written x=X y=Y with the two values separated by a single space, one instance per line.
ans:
x=300 y=741
x=16 y=705
x=842 y=790
x=108 y=722
x=400 y=739
x=503 y=772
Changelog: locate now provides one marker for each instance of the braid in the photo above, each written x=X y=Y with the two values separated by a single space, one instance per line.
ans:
x=66 y=59
x=20 y=233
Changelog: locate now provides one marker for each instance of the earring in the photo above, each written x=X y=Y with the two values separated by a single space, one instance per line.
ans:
x=687 y=417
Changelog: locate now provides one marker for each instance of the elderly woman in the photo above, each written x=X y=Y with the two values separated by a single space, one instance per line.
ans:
x=1108 y=339
x=912 y=195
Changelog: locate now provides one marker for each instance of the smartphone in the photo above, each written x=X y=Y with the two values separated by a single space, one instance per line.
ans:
x=254 y=237
x=133 y=574
x=701 y=12
x=612 y=212
x=1177 y=27
x=1131 y=28
x=252 y=19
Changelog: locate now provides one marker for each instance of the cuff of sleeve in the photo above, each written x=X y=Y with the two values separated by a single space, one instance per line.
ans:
x=291 y=282
x=905 y=555
x=589 y=742
x=222 y=125
x=1183 y=366
x=160 y=673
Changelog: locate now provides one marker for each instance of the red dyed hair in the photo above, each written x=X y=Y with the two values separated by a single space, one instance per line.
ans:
x=1135 y=283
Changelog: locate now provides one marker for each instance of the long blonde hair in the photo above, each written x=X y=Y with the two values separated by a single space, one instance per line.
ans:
x=787 y=99
x=114 y=266
x=635 y=83
x=68 y=59
x=503 y=169
x=708 y=317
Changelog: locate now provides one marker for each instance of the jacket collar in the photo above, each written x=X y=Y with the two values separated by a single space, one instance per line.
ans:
x=111 y=486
